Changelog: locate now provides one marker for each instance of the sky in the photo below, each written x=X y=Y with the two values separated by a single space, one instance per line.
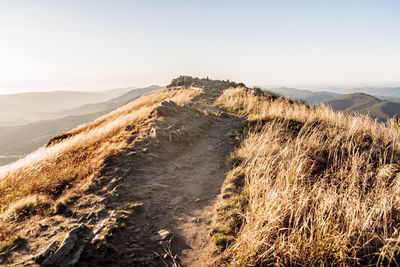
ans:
x=101 y=44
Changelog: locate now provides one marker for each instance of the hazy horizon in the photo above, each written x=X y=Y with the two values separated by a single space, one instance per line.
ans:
x=311 y=87
x=87 y=45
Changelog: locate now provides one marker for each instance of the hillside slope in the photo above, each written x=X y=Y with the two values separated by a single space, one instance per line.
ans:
x=352 y=102
x=17 y=141
x=366 y=104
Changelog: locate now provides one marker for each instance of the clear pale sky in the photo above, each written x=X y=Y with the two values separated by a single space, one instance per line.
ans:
x=87 y=44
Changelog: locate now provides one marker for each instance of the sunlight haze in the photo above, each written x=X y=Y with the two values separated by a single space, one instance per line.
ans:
x=85 y=45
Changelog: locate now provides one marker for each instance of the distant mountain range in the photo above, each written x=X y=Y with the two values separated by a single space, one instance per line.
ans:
x=379 y=92
x=312 y=97
x=109 y=105
x=16 y=141
x=366 y=104
x=306 y=95
x=379 y=103
x=23 y=108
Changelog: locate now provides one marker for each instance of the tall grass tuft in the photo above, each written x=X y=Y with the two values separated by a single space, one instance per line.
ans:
x=321 y=187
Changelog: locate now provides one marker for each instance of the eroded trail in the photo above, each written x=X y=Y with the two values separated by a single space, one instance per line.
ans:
x=178 y=191
x=199 y=177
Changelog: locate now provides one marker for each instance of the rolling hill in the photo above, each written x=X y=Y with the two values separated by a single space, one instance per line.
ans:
x=22 y=108
x=379 y=92
x=367 y=105
x=306 y=95
x=313 y=97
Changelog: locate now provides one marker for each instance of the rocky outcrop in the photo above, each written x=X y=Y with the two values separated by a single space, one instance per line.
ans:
x=69 y=251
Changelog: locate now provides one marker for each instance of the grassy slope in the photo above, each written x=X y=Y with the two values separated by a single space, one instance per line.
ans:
x=21 y=140
x=309 y=186
x=36 y=184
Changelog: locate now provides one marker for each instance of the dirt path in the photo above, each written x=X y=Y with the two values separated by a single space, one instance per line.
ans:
x=178 y=196
x=200 y=177
x=150 y=204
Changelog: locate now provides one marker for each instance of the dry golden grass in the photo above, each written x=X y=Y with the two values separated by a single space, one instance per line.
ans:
x=319 y=187
x=38 y=180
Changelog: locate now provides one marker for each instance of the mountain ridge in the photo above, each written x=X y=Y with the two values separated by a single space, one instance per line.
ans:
x=362 y=103
x=192 y=175
x=33 y=106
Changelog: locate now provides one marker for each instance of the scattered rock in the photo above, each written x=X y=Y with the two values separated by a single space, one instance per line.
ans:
x=62 y=256
x=45 y=253
x=76 y=256
x=164 y=233
x=161 y=235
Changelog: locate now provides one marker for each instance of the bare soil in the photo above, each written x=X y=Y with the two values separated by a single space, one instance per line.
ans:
x=179 y=194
